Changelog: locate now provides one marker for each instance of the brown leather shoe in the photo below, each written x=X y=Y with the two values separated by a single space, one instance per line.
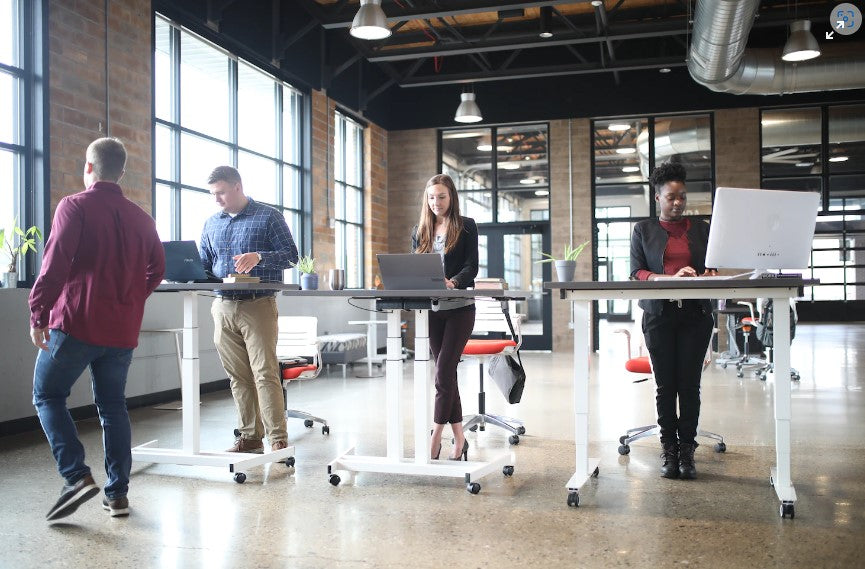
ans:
x=278 y=445
x=246 y=445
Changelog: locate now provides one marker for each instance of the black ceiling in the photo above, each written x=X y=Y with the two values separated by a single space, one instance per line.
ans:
x=601 y=60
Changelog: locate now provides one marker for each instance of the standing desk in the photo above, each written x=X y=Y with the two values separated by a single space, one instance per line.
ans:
x=191 y=453
x=395 y=461
x=581 y=294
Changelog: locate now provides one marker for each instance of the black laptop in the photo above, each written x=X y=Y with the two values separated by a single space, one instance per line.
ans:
x=183 y=264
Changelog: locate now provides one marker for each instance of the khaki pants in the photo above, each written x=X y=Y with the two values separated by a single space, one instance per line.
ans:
x=245 y=336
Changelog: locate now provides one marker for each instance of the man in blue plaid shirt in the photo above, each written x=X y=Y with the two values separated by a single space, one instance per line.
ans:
x=249 y=238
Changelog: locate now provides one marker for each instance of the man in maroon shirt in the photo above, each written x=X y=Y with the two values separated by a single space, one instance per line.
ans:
x=102 y=260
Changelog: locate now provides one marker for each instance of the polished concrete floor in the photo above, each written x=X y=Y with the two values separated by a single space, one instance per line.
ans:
x=184 y=516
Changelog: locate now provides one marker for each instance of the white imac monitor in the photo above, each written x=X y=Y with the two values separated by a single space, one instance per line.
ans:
x=761 y=229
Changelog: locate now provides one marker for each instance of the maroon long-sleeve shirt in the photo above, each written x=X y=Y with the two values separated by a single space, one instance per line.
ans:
x=102 y=260
x=677 y=254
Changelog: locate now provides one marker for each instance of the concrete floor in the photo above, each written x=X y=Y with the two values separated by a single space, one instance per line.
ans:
x=185 y=516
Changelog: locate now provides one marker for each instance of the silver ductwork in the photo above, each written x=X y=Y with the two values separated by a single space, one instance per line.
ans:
x=718 y=58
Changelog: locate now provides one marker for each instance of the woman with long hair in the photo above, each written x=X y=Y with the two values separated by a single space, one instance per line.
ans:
x=677 y=332
x=441 y=229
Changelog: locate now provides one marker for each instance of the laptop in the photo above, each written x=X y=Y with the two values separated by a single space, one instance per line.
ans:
x=183 y=263
x=412 y=271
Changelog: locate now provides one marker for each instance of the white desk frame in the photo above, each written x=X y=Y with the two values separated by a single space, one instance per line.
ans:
x=581 y=295
x=190 y=384
x=395 y=462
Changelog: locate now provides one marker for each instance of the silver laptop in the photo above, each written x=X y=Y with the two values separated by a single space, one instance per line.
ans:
x=412 y=271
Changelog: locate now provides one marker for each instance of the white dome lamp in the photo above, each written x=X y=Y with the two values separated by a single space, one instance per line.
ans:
x=468 y=111
x=370 y=22
x=801 y=45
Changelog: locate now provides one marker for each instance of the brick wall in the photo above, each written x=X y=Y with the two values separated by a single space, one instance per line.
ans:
x=376 y=199
x=412 y=160
x=737 y=148
x=80 y=108
x=322 y=184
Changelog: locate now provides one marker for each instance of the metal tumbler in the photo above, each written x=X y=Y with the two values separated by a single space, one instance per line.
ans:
x=336 y=279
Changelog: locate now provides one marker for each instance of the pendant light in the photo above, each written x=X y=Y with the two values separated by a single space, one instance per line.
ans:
x=468 y=111
x=801 y=44
x=370 y=22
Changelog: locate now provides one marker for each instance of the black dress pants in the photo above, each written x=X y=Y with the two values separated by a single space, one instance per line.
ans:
x=449 y=331
x=677 y=340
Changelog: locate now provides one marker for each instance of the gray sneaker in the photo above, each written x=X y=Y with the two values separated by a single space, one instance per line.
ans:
x=73 y=496
x=116 y=506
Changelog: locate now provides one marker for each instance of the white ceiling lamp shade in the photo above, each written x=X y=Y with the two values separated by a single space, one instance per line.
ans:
x=468 y=111
x=619 y=127
x=801 y=45
x=626 y=150
x=370 y=22
x=509 y=165
x=546 y=19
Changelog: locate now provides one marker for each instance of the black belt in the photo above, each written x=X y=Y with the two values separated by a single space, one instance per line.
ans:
x=245 y=295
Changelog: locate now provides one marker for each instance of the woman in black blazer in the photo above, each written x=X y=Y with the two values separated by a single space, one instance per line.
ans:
x=677 y=333
x=441 y=229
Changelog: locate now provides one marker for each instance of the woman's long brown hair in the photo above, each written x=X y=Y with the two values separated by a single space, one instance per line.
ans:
x=426 y=223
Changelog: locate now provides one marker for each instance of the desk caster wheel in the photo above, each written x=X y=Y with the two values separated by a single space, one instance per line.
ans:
x=514 y=439
x=289 y=462
x=473 y=487
x=624 y=449
x=787 y=510
x=721 y=447
x=239 y=477
x=508 y=470
x=334 y=480
x=325 y=430
x=521 y=430
x=308 y=423
x=574 y=499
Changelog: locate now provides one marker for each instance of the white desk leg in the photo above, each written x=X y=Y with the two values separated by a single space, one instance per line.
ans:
x=780 y=475
x=394 y=386
x=371 y=345
x=421 y=387
x=189 y=384
x=585 y=466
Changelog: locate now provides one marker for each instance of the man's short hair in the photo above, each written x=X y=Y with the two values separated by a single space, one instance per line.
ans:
x=224 y=174
x=108 y=156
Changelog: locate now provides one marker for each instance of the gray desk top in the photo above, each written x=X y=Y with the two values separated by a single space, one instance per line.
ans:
x=179 y=287
x=683 y=284
x=413 y=294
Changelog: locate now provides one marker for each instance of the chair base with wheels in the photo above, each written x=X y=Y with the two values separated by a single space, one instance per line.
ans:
x=480 y=420
x=299 y=352
x=309 y=420
x=762 y=372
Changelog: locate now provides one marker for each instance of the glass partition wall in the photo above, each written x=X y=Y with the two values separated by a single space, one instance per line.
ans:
x=503 y=178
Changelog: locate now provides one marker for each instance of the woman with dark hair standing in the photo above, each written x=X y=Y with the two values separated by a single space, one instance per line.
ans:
x=441 y=229
x=677 y=332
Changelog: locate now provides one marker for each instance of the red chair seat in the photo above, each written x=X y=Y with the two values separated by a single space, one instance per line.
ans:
x=294 y=372
x=639 y=365
x=487 y=347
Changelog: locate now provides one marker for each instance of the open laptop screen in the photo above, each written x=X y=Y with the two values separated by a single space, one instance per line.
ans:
x=183 y=263
x=412 y=271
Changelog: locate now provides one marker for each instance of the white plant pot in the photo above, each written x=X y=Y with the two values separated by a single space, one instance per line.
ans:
x=10 y=280
x=565 y=271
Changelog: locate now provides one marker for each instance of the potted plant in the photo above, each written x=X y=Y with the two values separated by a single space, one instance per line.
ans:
x=308 y=276
x=567 y=265
x=15 y=242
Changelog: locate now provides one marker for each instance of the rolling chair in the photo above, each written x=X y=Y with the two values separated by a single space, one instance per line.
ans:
x=299 y=355
x=643 y=365
x=748 y=325
x=765 y=325
x=490 y=317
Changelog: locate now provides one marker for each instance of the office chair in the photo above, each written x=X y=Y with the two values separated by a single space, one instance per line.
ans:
x=299 y=354
x=489 y=317
x=765 y=332
x=747 y=325
x=643 y=365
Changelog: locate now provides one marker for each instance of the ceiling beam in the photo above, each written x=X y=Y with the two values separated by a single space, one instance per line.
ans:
x=477 y=7
x=614 y=33
x=536 y=72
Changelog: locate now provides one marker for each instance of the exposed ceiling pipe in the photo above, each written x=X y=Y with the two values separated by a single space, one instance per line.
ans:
x=718 y=58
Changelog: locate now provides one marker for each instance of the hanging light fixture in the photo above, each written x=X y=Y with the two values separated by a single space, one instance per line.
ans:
x=468 y=111
x=801 y=44
x=370 y=23
x=546 y=20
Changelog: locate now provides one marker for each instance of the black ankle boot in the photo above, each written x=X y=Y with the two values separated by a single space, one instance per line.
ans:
x=670 y=455
x=687 y=470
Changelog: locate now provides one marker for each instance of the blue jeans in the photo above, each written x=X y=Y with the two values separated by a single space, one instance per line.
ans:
x=57 y=369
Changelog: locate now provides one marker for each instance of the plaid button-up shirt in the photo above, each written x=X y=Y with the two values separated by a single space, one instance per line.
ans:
x=257 y=228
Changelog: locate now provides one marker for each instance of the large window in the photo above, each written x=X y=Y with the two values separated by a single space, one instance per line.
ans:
x=13 y=149
x=348 y=187
x=212 y=108
x=822 y=149
x=625 y=152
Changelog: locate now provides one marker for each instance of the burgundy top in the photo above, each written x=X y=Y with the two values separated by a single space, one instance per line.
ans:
x=102 y=260
x=677 y=254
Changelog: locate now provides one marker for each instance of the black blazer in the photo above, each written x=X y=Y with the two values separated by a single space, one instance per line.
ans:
x=648 y=243
x=461 y=264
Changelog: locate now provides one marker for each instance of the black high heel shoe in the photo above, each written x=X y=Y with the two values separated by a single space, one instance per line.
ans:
x=436 y=457
x=464 y=455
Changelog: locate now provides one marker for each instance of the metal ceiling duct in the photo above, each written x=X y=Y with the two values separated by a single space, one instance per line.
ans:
x=718 y=58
